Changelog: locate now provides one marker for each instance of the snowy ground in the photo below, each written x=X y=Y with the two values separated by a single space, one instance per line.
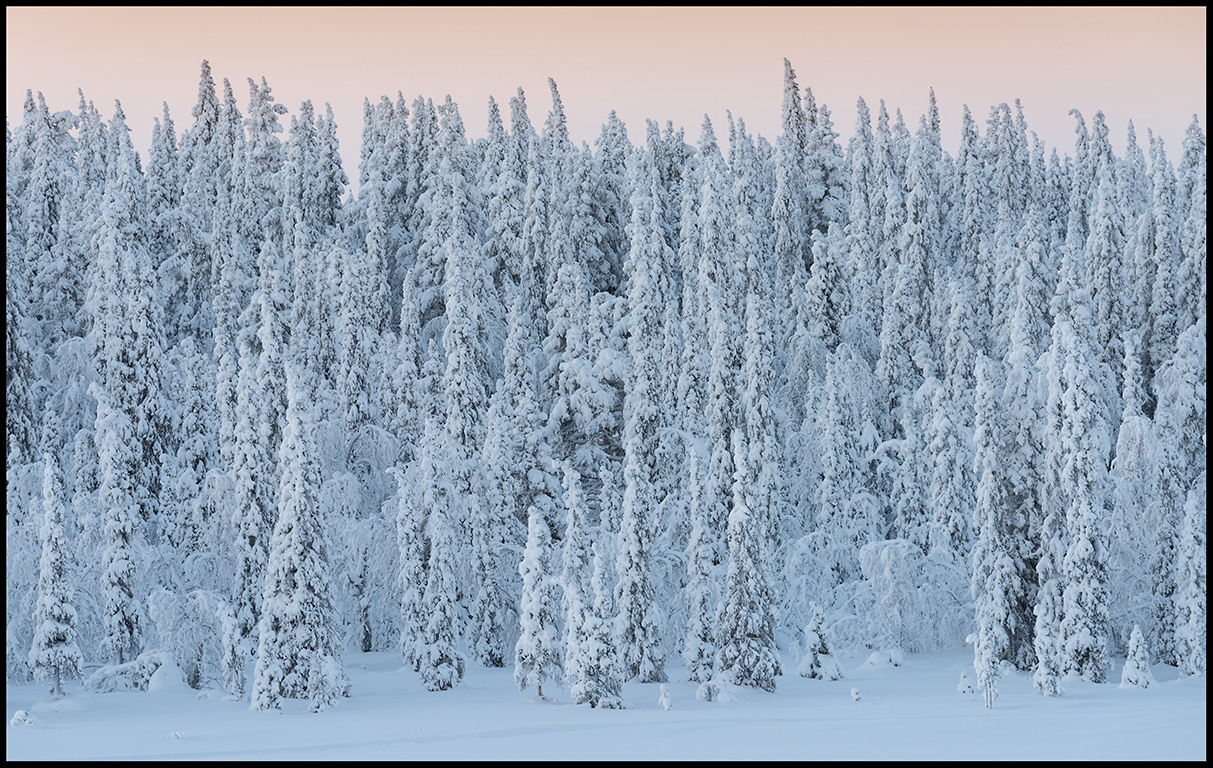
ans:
x=912 y=711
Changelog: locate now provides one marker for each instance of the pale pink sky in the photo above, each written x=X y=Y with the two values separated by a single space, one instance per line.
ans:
x=1144 y=64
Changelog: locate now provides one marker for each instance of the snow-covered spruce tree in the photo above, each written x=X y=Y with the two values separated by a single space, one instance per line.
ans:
x=827 y=200
x=300 y=242
x=127 y=418
x=324 y=195
x=1024 y=418
x=428 y=599
x=1136 y=672
x=261 y=211
x=505 y=201
x=1131 y=473
x=230 y=274
x=582 y=660
x=601 y=672
x=1192 y=204
x=639 y=621
x=420 y=189
x=1046 y=640
x=298 y=652
x=404 y=423
x=1082 y=178
x=1165 y=518
x=749 y=655
x=672 y=517
x=788 y=211
x=116 y=463
x=200 y=177
x=745 y=628
x=904 y=341
x=537 y=655
x=1192 y=593
x=359 y=327
x=469 y=294
x=1133 y=202
x=704 y=551
x=41 y=194
x=411 y=543
x=535 y=202
x=997 y=585
x=719 y=296
x=1184 y=397
x=164 y=187
x=1082 y=442
x=197 y=453
x=514 y=428
x=672 y=156
x=1164 y=305
x=54 y=655
x=817 y=663
x=913 y=514
x=1105 y=270
x=253 y=494
x=860 y=239
x=847 y=518
x=948 y=435
x=610 y=189
x=827 y=294
x=132 y=335
x=18 y=398
x=441 y=663
x=56 y=252
x=495 y=525
x=974 y=215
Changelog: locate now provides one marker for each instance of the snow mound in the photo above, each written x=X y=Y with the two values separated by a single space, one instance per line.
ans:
x=712 y=691
x=892 y=657
x=130 y=676
x=823 y=667
x=21 y=717
x=168 y=677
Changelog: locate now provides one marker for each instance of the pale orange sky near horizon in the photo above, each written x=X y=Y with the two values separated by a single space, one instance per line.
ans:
x=666 y=63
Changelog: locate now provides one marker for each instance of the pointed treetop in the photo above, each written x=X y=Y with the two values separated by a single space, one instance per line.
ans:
x=707 y=139
x=494 y=113
x=933 y=113
x=206 y=91
x=865 y=114
x=1081 y=128
x=451 y=133
x=557 y=126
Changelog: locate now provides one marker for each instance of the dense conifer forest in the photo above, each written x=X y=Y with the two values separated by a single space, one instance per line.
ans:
x=584 y=411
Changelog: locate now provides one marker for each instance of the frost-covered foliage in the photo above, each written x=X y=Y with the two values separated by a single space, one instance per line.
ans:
x=1136 y=672
x=616 y=403
x=817 y=663
x=132 y=675
x=54 y=654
